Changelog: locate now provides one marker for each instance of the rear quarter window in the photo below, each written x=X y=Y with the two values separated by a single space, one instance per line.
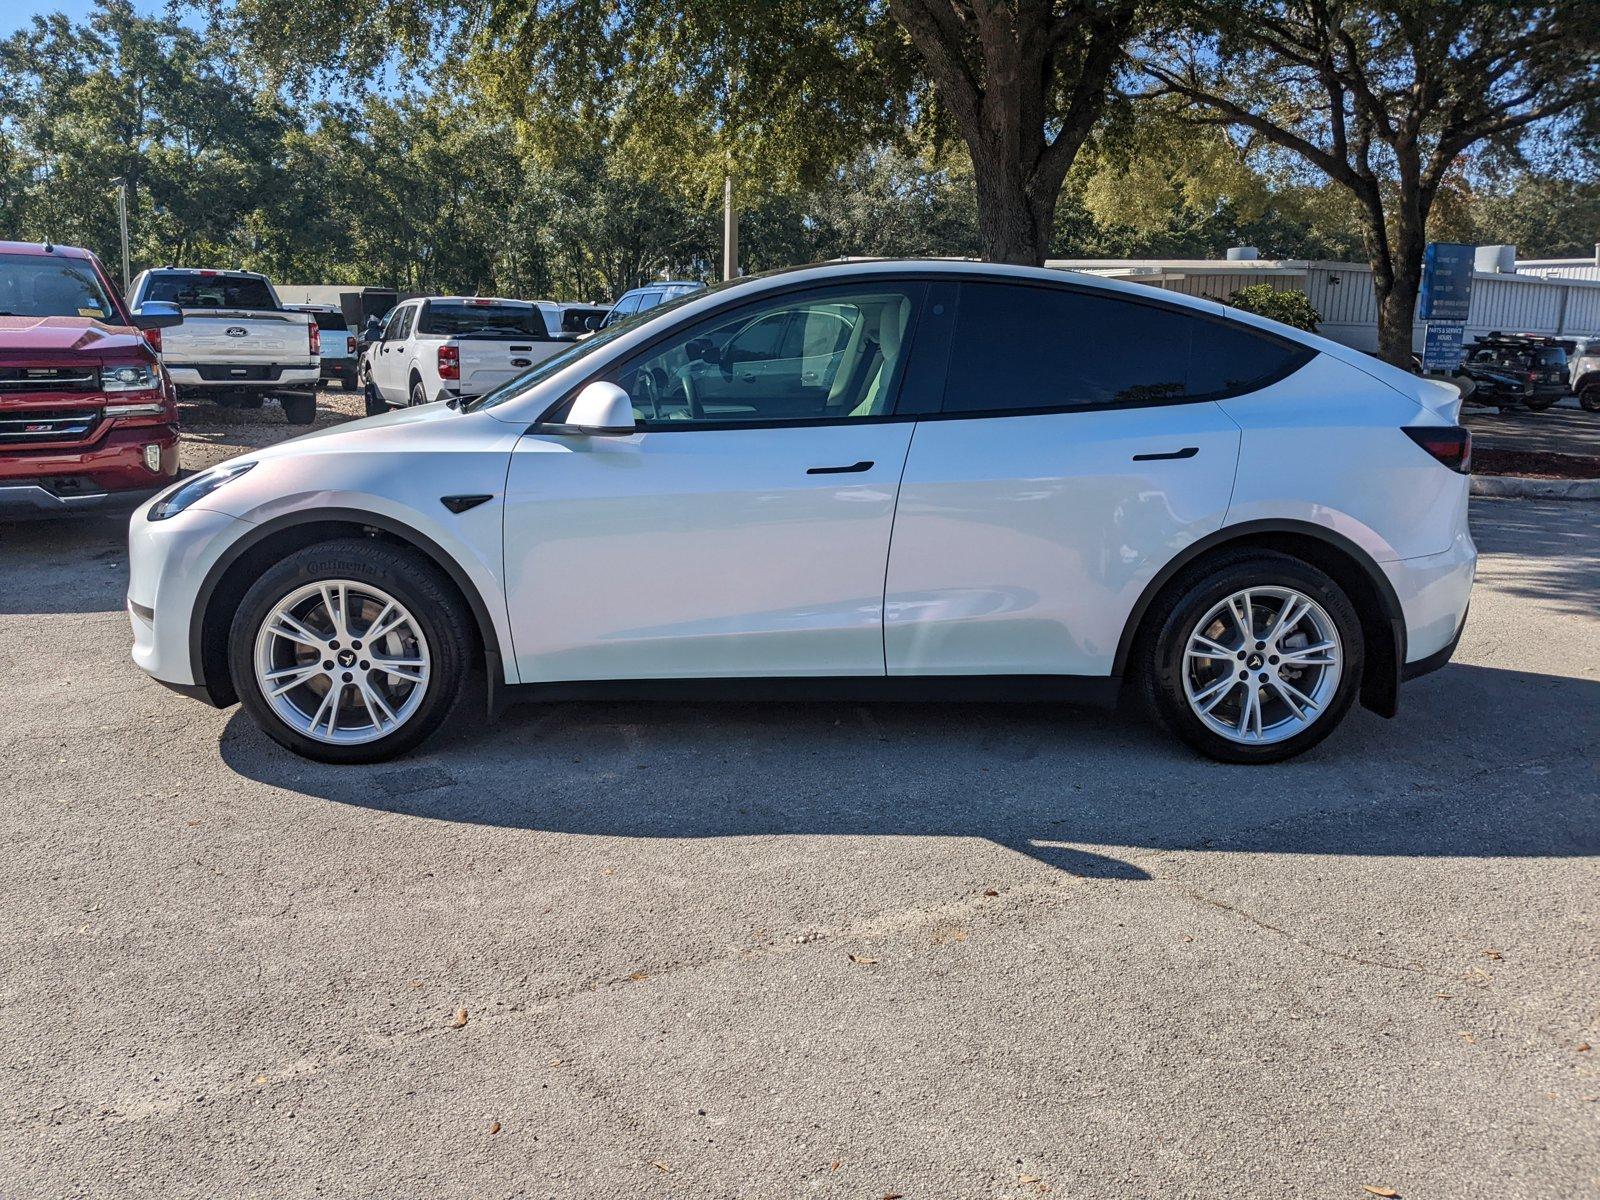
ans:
x=1017 y=348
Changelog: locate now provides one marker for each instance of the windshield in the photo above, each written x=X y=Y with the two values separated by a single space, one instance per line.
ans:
x=536 y=375
x=210 y=291
x=38 y=285
x=453 y=318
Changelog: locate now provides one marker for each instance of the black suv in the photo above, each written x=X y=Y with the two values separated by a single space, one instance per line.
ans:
x=1508 y=369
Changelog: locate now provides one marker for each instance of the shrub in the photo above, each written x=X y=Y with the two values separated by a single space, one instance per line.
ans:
x=1292 y=308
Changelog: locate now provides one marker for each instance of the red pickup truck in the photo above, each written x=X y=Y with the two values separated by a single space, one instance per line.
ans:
x=88 y=416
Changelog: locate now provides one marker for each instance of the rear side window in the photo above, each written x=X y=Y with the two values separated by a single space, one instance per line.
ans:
x=210 y=291
x=1016 y=348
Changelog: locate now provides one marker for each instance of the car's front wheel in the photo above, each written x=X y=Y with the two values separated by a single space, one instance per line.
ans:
x=1253 y=657
x=1589 y=397
x=350 y=651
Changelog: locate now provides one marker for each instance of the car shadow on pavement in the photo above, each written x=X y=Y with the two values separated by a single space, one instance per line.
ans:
x=1085 y=792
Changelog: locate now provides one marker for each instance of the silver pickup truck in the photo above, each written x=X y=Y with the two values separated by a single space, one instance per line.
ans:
x=237 y=344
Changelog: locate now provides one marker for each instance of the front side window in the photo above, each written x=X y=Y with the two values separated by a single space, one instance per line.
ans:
x=399 y=327
x=39 y=285
x=1017 y=348
x=830 y=355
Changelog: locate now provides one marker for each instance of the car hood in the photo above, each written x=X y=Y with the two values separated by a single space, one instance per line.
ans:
x=74 y=336
x=369 y=432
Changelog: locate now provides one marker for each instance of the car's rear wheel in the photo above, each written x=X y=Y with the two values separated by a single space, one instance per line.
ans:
x=1253 y=657
x=1589 y=397
x=1540 y=403
x=419 y=392
x=299 y=408
x=350 y=651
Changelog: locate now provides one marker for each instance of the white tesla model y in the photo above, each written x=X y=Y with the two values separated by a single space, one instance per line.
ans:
x=870 y=480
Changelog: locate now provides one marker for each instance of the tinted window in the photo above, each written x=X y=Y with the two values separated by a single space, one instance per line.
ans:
x=481 y=318
x=1018 y=347
x=844 y=361
x=210 y=291
x=650 y=299
x=399 y=328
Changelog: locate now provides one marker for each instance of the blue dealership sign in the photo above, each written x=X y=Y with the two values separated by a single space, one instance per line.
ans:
x=1446 y=281
x=1441 y=347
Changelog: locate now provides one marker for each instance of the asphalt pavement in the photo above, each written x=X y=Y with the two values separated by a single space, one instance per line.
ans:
x=802 y=950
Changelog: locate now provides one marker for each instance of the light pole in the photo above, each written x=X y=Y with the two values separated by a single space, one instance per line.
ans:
x=121 y=184
x=730 y=231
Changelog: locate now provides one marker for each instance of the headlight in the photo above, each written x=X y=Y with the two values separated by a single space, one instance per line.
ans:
x=128 y=377
x=192 y=490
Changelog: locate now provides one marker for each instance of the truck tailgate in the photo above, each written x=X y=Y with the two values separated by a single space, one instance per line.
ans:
x=210 y=335
x=486 y=363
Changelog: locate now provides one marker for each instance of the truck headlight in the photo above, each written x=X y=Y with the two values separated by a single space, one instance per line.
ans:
x=127 y=377
x=190 y=491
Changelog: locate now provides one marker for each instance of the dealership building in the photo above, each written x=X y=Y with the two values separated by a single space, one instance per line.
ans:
x=1557 y=297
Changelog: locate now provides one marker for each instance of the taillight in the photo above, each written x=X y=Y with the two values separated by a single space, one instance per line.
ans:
x=315 y=335
x=1451 y=445
x=153 y=337
x=449 y=362
x=350 y=345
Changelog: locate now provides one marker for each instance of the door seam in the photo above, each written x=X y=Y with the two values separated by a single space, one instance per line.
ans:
x=888 y=557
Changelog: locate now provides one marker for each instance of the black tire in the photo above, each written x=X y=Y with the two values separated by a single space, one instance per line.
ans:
x=373 y=402
x=404 y=574
x=1540 y=403
x=299 y=408
x=419 y=392
x=1589 y=397
x=1159 y=660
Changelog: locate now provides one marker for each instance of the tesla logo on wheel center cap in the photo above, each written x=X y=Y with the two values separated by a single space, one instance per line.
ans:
x=1254 y=661
x=347 y=658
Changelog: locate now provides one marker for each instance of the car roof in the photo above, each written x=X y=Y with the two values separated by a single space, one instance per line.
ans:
x=43 y=249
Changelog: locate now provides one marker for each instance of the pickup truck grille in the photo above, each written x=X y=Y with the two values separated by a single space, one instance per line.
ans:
x=48 y=379
x=47 y=425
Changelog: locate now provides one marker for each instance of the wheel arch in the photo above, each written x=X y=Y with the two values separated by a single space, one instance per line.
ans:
x=1383 y=624
x=232 y=574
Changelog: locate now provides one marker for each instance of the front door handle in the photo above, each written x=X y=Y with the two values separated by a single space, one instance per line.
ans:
x=1186 y=452
x=852 y=469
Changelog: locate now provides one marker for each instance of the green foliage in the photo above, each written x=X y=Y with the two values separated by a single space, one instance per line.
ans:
x=1291 y=307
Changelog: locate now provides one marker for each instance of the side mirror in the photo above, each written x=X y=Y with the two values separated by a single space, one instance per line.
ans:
x=157 y=314
x=601 y=408
x=593 y=321
x=703 y=349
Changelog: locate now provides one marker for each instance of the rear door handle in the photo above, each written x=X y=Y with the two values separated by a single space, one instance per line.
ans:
x=852 y=469
x=1186 y=452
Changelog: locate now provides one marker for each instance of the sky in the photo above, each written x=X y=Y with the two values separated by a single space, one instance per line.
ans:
x=15 y=14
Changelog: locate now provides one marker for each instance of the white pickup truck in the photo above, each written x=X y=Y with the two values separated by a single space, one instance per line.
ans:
x=449 y=347
x=237 y=344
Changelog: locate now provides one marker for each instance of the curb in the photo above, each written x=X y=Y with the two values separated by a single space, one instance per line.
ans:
x=1540 y=489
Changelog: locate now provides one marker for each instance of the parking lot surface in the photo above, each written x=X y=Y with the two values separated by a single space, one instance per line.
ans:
x=785 y=950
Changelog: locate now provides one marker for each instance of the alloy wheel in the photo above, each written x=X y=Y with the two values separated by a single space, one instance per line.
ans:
x=342 y=662
x=1262 y=665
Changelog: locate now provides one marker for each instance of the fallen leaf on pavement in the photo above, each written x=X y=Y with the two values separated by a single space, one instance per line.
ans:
x=990 y=892
x=861 y=960
x=494 y=1127
x=637 y=976
x=1494 y=954
x=460 y=1019
x=661 y=1166
x=1027 y=1179
x=1379 y=1191
x=1583 y=1047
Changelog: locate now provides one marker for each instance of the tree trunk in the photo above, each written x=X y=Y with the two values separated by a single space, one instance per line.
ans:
x=1397 y=305
x=1013 y=222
